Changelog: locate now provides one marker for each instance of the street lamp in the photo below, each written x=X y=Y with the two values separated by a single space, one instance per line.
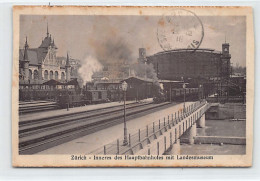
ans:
x=124 y=88
x=200 y=93
x=184 y=96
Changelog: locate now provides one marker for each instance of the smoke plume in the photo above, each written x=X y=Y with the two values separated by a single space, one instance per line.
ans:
x=89 y=66
x=118 y=53
x=145 y=71
x=112 y=50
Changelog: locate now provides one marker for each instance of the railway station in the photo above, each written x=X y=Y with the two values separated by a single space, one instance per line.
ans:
x=157 y=113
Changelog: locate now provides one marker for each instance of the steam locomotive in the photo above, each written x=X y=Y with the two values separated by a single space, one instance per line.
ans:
x=72 y=95
x=84 y=98
x=176 y=94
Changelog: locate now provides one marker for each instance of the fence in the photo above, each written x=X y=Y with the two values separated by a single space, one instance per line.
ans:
x=155 y=129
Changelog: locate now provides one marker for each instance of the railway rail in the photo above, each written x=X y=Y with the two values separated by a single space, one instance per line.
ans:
x=30 y=107
x=38 y=135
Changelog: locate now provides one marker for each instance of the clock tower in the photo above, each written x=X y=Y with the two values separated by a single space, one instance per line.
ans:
x=225 y=49
x=225 y=60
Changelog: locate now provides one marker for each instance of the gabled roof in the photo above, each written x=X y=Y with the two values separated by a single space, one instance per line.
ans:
x=113 y=81
x=46 y=42
x=32 y=56
x=35 y=55
x=138 y=80
x=170 y=81
x=41 y=54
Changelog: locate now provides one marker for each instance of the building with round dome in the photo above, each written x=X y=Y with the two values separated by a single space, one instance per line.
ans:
x=202 y=64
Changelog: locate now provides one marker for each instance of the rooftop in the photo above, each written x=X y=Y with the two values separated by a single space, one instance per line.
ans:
x=208 y=50
x=138 y=80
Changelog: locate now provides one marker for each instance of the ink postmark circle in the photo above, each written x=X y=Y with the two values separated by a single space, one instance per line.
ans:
x=180 y=29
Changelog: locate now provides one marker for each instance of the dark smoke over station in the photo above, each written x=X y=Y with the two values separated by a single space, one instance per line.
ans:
x=116 y=59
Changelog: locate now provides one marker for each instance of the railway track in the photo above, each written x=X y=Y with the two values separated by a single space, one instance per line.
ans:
x=38 y=135
x=25 y=108
x=36 y=127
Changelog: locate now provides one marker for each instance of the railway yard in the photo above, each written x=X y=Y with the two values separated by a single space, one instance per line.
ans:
x=93 y=141
x=43 y=130
x=95 y=120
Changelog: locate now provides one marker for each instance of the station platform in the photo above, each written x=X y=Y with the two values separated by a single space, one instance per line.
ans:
x=89 y=143
x=33 y=102
x=57 y=112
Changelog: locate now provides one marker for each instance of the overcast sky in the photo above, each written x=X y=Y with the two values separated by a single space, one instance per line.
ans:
x=82 y=35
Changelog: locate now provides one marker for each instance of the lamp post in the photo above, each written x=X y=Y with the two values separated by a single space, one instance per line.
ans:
x=184 y=96
x=124 y=88
x=200 y=93
x=170 y=93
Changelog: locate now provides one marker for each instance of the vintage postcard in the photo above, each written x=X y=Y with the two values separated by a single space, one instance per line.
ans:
x=132 y=86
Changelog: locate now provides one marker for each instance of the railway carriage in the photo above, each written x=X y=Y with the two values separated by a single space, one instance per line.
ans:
x=98 y=96
x=177 y=94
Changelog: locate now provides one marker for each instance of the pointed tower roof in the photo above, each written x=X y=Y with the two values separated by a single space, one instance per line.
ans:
x=26 y=43
x=47 y=41
x=68 y=60
x=225 y=41
x=53 y=44
x=47 y=30
x=25 y=55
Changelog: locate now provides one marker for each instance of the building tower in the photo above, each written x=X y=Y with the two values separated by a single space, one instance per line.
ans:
x=142 y=55
x=26 y=61
x=68 y=68
x=48 y=46
x=225 y=61
x=142 y=59
x=225 y=71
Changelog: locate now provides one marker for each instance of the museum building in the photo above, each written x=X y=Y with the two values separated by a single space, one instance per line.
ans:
x=38 y=65
x=190 y=63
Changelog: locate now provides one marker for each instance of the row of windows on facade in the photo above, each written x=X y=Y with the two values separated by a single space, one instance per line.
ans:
x=47 y=75
x=47 y=87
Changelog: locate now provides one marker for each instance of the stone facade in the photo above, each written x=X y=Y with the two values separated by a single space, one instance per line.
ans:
x=37 y=65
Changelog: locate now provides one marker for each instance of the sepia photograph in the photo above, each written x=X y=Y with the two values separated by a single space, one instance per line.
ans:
x=132 y=86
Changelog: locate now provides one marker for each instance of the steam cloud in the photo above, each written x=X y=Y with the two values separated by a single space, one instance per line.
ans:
x=140 y=70
x=116 y=52
x=109 y=48
x=89 y=66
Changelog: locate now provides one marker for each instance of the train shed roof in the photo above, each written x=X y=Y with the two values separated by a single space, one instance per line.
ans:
x=137 y=80
x=170 y=81
x=108 y=81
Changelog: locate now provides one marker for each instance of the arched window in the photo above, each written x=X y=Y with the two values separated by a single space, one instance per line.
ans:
x=46 y=75
x=30 y=74
x=62 y=76
x=56 y=75
x=51 y=74
x=35 y=75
